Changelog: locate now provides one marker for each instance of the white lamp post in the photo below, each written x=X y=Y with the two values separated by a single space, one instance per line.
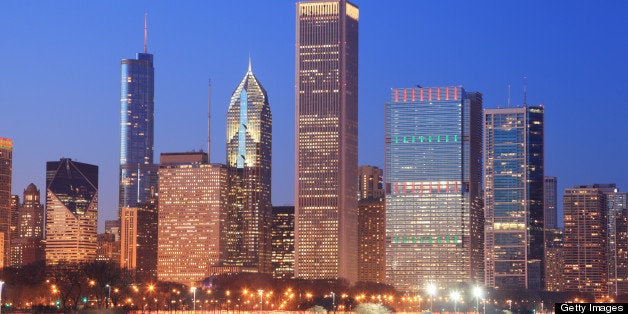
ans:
x=108 y=295
x=1 y=284
x=261 y=295
x=333 y=302
x=194 y=299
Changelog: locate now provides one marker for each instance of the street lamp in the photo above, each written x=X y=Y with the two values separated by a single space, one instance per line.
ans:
x=455 y=296
x=431 y=291
x=1 y=284
x=261 y=295
x=194 y=303
x=477 y=292
x=109 y=295
x=333 y=302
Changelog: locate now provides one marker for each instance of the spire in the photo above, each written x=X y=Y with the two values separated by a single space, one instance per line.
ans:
x=525 y=85
x=145 y=32
x=250 y=67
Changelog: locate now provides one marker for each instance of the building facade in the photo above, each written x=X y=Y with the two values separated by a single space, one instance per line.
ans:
x=550 y=216
x=371 y=182
x=282 y=233
x=138 y=240
x=432 y=172
x=27 y=245
x=617 y=242
x=6 y=169
x=514 y=198
x=71 y=211
x=138 y=174
x=586 y=241
x=249 y=150
x=326 y=148
x=192 y=200
x=554 y=260
x=372 y=240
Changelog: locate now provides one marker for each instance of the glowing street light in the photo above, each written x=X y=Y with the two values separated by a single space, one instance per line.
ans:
x=455 y=296
x=431 y=291
x=261 y=295
x=478 y=293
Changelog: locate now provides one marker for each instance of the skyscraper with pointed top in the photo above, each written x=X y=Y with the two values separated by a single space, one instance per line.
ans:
x=138 y=174
x=249 y=137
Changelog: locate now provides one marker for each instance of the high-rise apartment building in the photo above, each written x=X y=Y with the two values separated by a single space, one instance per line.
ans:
x=249 y=149
x=617 y=203
x=138 y=174
x=326 y=149
x=619 y=257
x=192 y=200
x=71 y=211
x=107 y=248
x=554 y=260
x=513 y=197
x=282 y=234
x=585 y=240
x=550 y=214
x=14 y=208
x=371 y=225
x=6 y=169
x=138 y=240
x=370 y=182
x=27 y=246
x=432 y=173
x=372 y=240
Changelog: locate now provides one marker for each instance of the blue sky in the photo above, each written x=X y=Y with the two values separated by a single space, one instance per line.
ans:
x=60 y=67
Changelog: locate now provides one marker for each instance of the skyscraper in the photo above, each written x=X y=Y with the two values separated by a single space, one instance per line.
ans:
x=370 y=181
x=282 y=232
x=249 y=149
x=138 y=240
x=71 y=211
x=138 y=174
x=585 y=244
x=617 y=203
x=192 y=200
x=513 y=197
x=372 y=240
x=550 y=213
x=6 y=169
x=326 y=149
x=27 y=246
x=432 y=156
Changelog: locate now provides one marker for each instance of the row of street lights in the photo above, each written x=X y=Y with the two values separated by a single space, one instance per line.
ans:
x=455 y=296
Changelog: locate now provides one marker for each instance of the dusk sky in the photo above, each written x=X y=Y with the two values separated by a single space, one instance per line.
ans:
x=60 y=79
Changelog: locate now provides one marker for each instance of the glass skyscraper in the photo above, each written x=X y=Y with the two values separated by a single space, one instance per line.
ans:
x=138 y=174
x=433 y=140
x=246 y=231
x=326 y=166
x=513 y=197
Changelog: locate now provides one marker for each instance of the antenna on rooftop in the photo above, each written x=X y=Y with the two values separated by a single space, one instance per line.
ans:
x=145 y=32
x=525 y=85
x=508 y=103
x=209 y=116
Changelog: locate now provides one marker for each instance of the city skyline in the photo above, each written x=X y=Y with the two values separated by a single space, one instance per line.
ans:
x=531 y=40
